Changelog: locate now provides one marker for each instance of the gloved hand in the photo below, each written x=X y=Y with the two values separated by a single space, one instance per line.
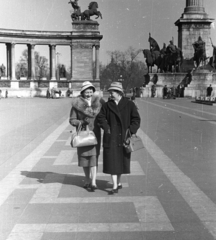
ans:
x=86 y=121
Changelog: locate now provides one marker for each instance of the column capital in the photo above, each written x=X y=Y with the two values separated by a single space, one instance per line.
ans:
x=97 y=46
x=32 y=45
x=53 y=46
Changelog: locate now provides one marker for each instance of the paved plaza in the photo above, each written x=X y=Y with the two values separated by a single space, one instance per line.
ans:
x=169 y=195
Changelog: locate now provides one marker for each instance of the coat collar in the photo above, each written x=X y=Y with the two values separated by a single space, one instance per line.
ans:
x=81 y=105
x=117 y=108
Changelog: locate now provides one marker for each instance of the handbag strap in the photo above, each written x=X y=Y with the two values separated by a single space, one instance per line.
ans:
x=128 y=133
x=80 y=127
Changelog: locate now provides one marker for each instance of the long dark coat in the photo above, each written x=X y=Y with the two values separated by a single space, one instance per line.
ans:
x=117 y=119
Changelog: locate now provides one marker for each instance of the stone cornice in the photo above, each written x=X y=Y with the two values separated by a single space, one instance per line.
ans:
x=44 y=37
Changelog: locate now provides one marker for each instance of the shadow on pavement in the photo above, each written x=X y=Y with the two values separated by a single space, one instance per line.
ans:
x=69 y=179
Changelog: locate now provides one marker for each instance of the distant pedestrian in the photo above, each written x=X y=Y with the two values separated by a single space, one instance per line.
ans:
x=0 y=93
x=209 y=91
x=6 y=93
x=48 y=93
x=165 y=90
x=153 y=90
x=181 y=89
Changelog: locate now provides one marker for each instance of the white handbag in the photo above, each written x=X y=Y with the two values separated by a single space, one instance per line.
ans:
x=83 y=138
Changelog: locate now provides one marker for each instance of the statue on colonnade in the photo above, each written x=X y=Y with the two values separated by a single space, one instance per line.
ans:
x=91 y=11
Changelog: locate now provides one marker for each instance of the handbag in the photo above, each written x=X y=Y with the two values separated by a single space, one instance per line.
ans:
x=132 y=143
x=83 y=138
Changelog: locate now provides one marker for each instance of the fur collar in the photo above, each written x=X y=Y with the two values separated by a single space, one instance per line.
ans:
x=81 y=105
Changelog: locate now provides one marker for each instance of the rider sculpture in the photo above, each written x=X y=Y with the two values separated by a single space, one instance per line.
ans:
x=199 y=51
x=77 y=10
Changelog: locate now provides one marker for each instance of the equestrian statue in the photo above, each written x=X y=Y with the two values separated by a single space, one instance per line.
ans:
x=166 y=59
x=78 y=15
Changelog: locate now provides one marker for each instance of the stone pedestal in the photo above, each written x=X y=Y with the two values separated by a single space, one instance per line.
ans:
x=15 y=84
x=193 y=23
x=33 y=84
x=86 y=36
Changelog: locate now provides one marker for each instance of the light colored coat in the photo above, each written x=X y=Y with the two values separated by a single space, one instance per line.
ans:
x=82 y=113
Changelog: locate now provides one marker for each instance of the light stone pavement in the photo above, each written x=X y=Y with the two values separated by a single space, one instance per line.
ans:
x=148 y=214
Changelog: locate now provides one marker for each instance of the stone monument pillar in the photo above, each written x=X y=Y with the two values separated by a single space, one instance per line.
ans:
x=193 y=23
x=85 y=37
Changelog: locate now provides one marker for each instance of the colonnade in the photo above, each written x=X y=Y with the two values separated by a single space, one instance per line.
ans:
x=11 y=65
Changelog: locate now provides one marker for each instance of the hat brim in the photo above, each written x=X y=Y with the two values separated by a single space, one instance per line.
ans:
x=116 y=89
x=86 y=87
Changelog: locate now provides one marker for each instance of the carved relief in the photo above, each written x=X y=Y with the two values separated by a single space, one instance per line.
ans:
x=82 y=46
x=85 y=27
x=195 y=26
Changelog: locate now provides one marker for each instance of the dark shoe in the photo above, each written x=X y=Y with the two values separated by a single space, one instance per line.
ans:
x=113 y=191
x=93 y=188
x=87 y=185
x=120 y=186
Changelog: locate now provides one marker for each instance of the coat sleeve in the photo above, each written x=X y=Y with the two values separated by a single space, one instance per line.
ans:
x=134 y=119
x=73 y=119
x=101 y=119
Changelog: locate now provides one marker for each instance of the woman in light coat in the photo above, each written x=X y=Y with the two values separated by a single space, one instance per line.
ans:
x=84 y=111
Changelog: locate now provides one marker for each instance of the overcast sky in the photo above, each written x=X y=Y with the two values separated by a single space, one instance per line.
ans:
x=125 y=22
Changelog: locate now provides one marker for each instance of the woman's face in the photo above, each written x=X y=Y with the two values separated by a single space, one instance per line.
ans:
x=87 y=94
x=114 y=95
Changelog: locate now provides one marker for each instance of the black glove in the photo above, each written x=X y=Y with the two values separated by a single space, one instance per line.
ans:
x=86 y=121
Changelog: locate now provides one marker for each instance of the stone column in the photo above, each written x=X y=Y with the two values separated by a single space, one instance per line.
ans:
x=31 y=62
x=71 y=47
x=53 y=62
x=8 y=55
x=13 y=61
x=97 y=62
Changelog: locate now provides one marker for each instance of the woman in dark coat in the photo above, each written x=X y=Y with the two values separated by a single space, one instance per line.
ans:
x=116 y=116
x=84 y=111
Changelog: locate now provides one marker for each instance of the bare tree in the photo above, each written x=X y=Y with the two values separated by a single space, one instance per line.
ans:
x=41 y=65
x=125 y=64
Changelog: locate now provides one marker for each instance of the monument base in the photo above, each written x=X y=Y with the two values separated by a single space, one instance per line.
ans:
x=195 y=84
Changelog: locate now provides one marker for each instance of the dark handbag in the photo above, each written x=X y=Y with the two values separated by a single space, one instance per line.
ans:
x=132 y=143
x=83 y=138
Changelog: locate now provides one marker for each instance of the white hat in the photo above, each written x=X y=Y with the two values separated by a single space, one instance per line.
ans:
x=116 y=86
x=86 y=85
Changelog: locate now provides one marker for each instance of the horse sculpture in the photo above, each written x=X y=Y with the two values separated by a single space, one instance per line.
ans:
x=173 y=59
x=152 y=58
x=92 y=10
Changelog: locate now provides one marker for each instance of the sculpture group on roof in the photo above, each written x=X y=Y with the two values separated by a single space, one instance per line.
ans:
x=77 y=15
x=170 y=58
